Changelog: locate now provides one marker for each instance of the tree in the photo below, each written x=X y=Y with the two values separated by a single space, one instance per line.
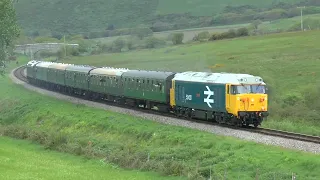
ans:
x=256 y=23
x=118 y=44
x=9 y=29
x=177 y=38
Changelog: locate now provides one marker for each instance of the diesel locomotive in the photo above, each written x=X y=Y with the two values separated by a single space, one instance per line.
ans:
x=226 y=98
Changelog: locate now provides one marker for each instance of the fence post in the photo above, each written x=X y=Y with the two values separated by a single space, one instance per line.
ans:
x=257 y=174
x=148 y=157
x=293 y=176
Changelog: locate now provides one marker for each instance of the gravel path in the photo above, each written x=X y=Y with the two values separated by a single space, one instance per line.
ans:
x=245 y=135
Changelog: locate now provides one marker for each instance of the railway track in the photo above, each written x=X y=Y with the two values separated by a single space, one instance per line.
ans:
x=19 y=73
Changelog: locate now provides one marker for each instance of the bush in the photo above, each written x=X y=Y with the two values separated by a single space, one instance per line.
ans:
x=292 y=99
x=177 y=38
x=242 y=32
x=230 y=34
x=143 y=32
x=202 y=36
x=69 y=51
x=153 y=42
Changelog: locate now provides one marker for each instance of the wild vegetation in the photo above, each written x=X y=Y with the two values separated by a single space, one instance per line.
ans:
x=105 y=18
x=28 y=160
x=8 y=30
x=132 y=142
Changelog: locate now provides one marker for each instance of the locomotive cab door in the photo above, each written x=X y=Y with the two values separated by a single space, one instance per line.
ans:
x=228 y=99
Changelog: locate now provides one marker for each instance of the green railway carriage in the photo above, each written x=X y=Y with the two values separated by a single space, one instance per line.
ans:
x=147 y=85
x=31 y=75
x=77 y=76
x=200 y=90
x=106 y=81
x=41 y=71
x=56 y=73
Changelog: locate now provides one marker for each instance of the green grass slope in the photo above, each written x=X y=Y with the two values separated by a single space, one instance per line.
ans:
x=289 y=63
x=126 y=141
x=22 y=159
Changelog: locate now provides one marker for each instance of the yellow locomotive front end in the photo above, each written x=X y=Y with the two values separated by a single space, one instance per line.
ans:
x=247 y=101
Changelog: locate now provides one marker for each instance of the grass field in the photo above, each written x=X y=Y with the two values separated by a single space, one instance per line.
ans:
x=24 y=160
x=289 y=63
x=127 y=141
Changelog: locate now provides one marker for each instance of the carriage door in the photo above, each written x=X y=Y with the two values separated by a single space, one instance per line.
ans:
x=228 y=86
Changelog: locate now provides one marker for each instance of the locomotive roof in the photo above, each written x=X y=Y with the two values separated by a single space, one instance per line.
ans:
x=44 y=64
x=220 y=78
x=108 y=71
x=32 y=63
x=147 y=74
x=79 y=68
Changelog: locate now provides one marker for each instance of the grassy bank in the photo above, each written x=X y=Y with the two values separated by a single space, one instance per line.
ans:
x=288 y=62
x=23 y=159
x=129 y=141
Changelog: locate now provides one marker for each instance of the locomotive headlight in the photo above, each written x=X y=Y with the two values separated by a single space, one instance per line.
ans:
x=256 y=79
x=238 y=98
x=252 y=100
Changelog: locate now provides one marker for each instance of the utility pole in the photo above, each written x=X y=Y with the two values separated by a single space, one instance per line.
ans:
x=301 y=17
x=65 y=49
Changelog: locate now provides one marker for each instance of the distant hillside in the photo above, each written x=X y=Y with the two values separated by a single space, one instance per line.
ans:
x=47 y=17
x=210 y=7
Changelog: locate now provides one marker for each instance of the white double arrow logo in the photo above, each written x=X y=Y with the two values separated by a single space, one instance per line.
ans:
x=209 y=93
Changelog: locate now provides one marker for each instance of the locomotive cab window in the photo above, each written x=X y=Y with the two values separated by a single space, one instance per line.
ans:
x=248 y=89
